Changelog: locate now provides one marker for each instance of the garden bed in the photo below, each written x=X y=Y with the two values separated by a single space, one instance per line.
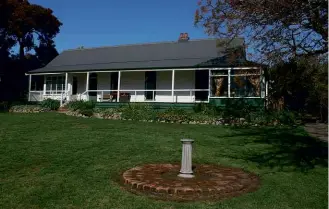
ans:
x=201 y=115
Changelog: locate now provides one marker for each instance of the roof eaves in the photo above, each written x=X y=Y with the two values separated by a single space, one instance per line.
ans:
x=143 y=44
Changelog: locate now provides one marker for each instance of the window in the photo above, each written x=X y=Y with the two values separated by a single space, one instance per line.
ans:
x=235 y=83
x=219 y=86
x=37 y=83
x=219 y=83
x=55 y=84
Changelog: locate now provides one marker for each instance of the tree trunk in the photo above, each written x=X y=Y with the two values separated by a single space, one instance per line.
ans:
x=21 y=51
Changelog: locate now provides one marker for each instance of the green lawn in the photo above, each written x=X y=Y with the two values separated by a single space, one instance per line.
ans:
x=51 y=160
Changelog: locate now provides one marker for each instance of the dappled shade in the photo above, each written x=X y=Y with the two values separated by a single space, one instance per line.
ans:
x=284 y=148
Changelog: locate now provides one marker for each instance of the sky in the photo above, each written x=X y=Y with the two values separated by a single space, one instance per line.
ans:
x=115 y=22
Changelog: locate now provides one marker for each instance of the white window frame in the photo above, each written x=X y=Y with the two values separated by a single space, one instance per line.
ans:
x=229 y=75
x=59 y=87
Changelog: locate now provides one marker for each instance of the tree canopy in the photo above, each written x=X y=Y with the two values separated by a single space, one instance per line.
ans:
x=30 y=27
x=24 y=23
x=276 y=29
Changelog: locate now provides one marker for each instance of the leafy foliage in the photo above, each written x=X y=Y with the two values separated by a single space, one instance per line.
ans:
x=51 y=104
x=238 y=112
x=175 y=115
x=23 y=23
x=138 y=112
x=29 y=27
x=238 y=108
x=80 y=105
x=86 y=112
x=205 y=108
x=4 y=105
x=108 y=113
x=275 y=29
x=302 y=84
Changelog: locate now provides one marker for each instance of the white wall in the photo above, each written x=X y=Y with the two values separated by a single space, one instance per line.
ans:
x=163 y=82
x=81 y=82
x=103 y=83
x=184 y=80
x=133 y=81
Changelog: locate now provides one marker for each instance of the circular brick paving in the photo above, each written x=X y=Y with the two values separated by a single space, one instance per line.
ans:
x=210 y=182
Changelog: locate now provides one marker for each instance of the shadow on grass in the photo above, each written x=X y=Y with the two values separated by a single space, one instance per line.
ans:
x=283 y=148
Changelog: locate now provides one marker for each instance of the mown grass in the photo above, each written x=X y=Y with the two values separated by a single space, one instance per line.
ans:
x=50 y=160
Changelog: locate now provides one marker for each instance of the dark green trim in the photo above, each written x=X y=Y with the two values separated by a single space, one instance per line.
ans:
x=156 y=105
x=222 y=102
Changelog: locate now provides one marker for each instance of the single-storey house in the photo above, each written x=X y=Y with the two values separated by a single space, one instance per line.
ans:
x=183 y=71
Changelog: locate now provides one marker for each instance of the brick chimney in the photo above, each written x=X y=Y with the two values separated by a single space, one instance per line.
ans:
x=183 y=37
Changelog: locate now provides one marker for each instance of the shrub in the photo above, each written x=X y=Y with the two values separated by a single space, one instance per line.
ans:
x=51 y=104
x=138 y=112
x=205 y=108
x=199 y=107
x=86 y=112
x=174 y=115
x=99 y=110
x=4 y=106
x=287 y=117
x=108 y=113
x=28 y=109
x=80 y=105
x=238 y=108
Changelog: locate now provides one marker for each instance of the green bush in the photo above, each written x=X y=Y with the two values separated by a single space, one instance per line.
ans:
x=80 y=105
x=99 y=110
x=138 y=112
x=108 y=113
x=238 y=108
x=237 y=113
x=86 y=112
x=4 y=106
x=174 y=115
x=287 y=117
x=206 y=108
x=51 y=104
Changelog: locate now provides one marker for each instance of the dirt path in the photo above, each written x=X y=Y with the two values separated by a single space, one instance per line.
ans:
x=318 y=130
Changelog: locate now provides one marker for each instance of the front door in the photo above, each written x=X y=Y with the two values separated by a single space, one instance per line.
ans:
x=201 y=82
x=114 y=80
x=93 y=84
x=75 y=85
x=150 y=84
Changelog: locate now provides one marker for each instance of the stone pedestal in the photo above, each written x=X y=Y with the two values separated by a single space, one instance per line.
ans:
x=186 y=166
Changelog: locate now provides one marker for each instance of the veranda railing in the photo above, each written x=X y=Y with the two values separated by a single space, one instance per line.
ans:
x=134 y=92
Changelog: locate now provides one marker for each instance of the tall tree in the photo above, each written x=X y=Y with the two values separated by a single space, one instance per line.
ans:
x=275 y=29
x=25 y=23
x=29 y=26
x=45 y=52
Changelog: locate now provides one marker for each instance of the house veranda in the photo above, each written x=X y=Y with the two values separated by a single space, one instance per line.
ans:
x=170 y=72
x=161 y=85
